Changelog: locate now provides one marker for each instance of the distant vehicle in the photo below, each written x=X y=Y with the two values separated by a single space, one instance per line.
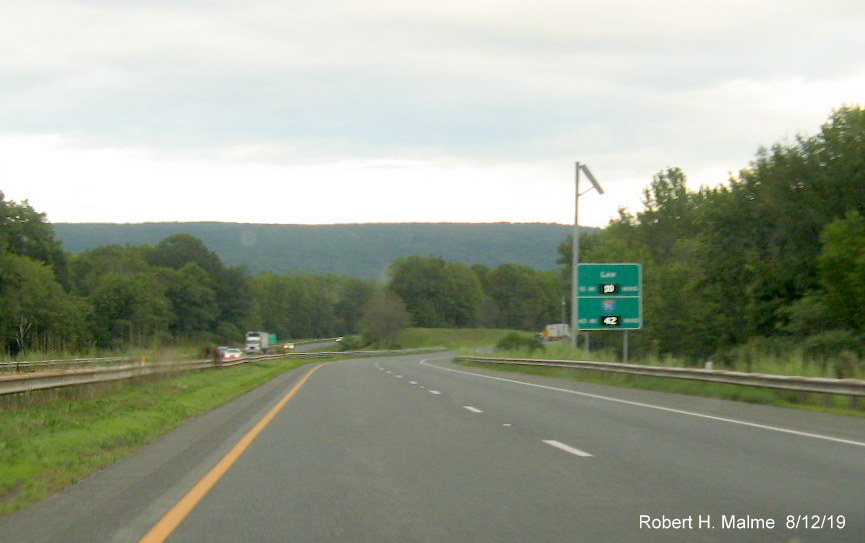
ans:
x=259 y=342
x=231 y=354
x=221 y=350
x=288 y=346
x=555 y=332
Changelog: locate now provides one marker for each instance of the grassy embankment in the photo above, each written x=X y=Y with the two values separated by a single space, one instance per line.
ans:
x=468 y=341
x=450 y=338
x=794 y=364
x=51 y=439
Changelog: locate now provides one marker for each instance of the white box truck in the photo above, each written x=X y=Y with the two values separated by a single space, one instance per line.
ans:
x=554 y=332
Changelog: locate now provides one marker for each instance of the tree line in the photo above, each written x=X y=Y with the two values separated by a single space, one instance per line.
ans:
x=113 y=296
x=774 y=258
x=179 y=290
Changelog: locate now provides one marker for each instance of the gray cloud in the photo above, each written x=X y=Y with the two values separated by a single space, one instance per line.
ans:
x=494 y=82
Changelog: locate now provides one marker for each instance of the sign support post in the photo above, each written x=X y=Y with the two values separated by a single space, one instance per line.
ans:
x=575 y=249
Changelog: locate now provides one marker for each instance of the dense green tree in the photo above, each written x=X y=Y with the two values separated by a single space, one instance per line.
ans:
x=526 y=299
x=192 y=298
x=26 y=232
x=436 y=293
x=88 y=267
x=178 y=250
x=419 y=282
x=234 y=299
x=842 y=272
x=231 y=285
x=305 y=306
x=463 y=294
x=354 y=296
x=383 y=318
x=668 y=215
x=129 y=309
x=35 y=311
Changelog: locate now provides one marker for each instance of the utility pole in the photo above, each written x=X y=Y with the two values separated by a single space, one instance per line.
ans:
x=575 y=248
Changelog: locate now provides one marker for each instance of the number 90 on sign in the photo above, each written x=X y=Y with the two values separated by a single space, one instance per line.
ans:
x=611 y=320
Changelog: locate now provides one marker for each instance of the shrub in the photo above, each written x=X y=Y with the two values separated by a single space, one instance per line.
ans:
x=353 y=343
x=831 y=344
x=515 y=341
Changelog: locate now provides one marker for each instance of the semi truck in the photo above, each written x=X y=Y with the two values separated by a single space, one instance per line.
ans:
x=259 y=342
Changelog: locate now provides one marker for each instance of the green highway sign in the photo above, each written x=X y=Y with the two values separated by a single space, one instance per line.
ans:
x=609 y=297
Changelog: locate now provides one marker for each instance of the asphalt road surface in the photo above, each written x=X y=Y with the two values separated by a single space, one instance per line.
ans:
x=417 y=448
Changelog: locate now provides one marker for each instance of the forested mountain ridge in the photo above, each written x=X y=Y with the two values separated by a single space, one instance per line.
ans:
x=361 y=250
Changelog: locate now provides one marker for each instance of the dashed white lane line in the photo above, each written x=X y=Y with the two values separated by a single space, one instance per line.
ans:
x=399 y=376
x=566 y=448
x=412 y=382
x=472 y=409
x=656 y=407
x=434 y=392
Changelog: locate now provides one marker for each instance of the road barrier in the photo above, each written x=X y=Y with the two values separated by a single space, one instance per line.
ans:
x=17 y=383
x=25 y=365
x=40 y=380
x=19 y=365
x=822 y=385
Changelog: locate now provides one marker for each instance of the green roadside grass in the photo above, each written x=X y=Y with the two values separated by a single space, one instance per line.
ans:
x=51 y=439
x=450 y=338
x=468 y=342
x=835 y=404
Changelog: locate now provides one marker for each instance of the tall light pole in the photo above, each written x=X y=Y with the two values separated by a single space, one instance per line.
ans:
x=575 y=248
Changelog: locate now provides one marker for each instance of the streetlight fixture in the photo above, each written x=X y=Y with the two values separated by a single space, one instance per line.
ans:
x=575 y=248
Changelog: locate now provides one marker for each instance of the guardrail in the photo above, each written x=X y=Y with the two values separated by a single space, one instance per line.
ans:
x=26 y=382
x=20 y=365
x=17 y=365
x=16 y=383
x=822 y=385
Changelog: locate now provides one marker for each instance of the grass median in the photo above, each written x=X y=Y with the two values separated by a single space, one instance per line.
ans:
x=52 y=439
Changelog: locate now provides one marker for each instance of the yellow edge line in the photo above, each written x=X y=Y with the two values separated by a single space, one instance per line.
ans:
x=166 y=526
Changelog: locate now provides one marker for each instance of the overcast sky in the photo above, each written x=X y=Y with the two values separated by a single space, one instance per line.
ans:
x=341 y=111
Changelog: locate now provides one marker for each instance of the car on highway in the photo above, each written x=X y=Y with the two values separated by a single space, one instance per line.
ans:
x=231 y=354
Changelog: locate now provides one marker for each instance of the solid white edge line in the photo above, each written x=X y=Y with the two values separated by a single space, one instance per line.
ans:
x=566 y=448
x=657 y=407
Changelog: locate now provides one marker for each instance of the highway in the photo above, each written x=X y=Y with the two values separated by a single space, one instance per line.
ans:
x=419 y=449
